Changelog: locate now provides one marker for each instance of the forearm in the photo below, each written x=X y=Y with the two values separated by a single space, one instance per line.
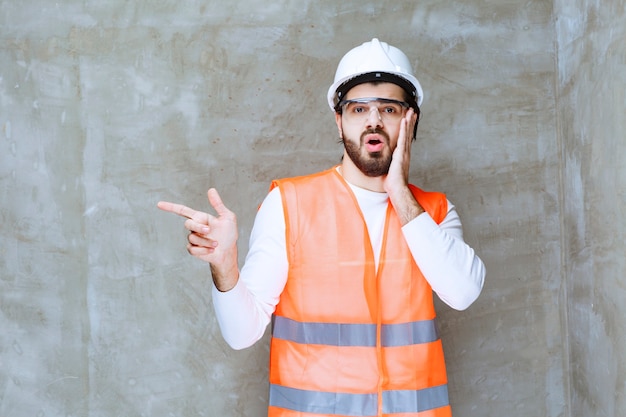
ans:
x=241 y=319
x=244 y=311
x=451 y=266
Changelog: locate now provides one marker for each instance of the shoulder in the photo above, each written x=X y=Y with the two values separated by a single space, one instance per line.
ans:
x=304 y=180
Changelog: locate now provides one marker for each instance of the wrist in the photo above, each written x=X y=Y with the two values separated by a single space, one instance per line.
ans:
x=225 y=277
x=406 y=206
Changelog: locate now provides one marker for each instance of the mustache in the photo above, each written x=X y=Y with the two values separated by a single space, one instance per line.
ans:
x=374 y=131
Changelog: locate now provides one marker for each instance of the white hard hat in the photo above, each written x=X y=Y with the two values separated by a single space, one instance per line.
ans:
x=374 y=61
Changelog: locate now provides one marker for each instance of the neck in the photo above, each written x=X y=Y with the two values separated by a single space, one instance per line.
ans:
x=356 y=177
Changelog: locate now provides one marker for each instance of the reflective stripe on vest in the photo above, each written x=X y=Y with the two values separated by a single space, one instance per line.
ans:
x=335 y=334
x=402 y=401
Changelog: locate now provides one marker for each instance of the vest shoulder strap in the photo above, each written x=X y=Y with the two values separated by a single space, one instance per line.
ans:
x=434 y=203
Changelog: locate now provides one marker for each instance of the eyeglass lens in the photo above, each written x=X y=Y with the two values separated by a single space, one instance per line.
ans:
x=360 y=109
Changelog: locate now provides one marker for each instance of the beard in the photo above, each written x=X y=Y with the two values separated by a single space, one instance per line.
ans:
x=372 y=164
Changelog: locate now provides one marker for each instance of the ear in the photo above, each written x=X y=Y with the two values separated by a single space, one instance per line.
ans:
x=338 y=121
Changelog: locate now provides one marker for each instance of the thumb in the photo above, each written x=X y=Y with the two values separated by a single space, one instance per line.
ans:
x=216 y=202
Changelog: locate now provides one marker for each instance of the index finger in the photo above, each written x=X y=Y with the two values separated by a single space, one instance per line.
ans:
x=179 y=209
x=411 y=116
x=411 y=119
x=404 y=127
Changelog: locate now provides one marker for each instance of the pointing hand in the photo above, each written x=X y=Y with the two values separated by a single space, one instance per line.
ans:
x=212 y=239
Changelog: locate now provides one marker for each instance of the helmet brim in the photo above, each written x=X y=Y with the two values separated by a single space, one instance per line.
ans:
x=343 y=85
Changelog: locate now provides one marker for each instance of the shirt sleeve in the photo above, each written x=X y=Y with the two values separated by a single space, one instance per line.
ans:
x=244 y=312
x=450 y=265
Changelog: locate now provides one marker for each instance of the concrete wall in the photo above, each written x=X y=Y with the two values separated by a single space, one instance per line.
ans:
x=108 y=107
x=592 y=104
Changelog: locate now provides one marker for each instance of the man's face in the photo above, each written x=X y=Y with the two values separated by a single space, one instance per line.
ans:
x=370 y=132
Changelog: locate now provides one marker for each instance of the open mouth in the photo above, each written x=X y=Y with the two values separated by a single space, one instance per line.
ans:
x=374 y=145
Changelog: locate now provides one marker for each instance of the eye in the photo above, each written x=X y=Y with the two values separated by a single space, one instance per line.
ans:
x=358 y=108
x=390 y=109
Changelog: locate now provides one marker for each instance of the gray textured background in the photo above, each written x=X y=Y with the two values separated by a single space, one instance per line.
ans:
x=108 y=107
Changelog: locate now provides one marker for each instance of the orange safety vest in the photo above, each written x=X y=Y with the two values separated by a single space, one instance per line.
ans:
x=348 y=340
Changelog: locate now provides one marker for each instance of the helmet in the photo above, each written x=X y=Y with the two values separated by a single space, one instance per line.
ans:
x=374 y=61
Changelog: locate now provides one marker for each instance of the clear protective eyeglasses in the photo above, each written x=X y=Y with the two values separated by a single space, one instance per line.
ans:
x=359 y=109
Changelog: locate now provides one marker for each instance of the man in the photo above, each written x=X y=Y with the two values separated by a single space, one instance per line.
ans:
x=344 y=262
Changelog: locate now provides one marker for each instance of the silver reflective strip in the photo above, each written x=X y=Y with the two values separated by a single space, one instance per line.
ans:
x=332 y=334
x=407 y=401
x=338 y=334
x=413 y=333
x=323 y=402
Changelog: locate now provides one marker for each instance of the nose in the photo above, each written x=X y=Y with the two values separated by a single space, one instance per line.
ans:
x=373 y=118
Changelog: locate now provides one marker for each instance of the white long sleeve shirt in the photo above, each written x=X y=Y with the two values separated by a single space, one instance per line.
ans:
x=451 y=267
